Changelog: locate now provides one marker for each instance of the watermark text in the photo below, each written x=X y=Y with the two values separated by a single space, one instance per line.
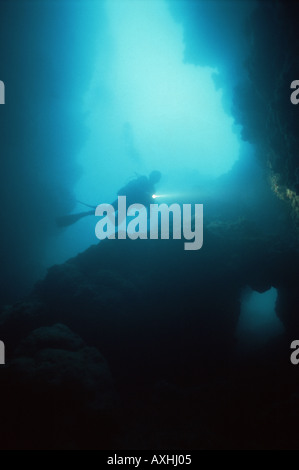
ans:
x=2 y=353
x=2 y=92
x=153 y=222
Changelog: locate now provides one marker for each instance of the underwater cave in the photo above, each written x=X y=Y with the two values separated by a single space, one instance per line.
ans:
x=139 y=343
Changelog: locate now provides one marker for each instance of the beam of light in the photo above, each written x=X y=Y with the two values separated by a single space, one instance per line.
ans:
x=175 y=196
x=157 y=196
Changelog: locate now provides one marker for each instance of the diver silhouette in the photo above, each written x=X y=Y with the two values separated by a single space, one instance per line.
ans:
x=140 y=190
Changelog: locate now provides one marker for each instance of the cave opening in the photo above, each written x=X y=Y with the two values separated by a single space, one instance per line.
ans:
x=258 y=322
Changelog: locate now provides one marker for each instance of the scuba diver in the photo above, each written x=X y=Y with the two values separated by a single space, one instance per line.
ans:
x=138 y=191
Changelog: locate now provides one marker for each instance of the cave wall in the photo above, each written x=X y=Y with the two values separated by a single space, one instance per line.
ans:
x=262 y=102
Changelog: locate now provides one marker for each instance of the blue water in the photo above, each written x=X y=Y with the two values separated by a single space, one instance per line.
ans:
x=145 y=108
x=258 y=322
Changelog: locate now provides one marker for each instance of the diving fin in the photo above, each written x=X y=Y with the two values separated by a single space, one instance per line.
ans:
x=71 y=219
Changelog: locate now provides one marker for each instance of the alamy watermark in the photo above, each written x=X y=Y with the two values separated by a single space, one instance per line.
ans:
x=2 y=92
x=294 y=95
x=2 y=353
x=145 y=224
